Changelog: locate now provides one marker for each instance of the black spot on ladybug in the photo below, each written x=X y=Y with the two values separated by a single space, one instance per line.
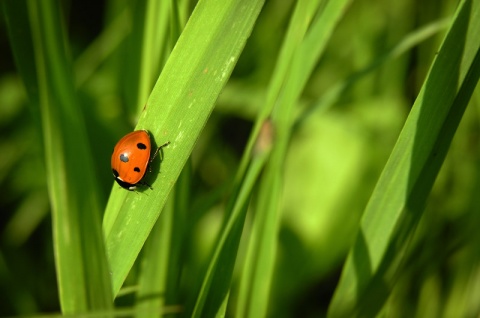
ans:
x=136 y=169
x=141 y=146
x=124 y=157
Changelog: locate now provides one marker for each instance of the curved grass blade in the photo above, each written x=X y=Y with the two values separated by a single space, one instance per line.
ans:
x=258 y=270
x=215 y=287
x=176 y=111
x=399 y=198
x=81 y=263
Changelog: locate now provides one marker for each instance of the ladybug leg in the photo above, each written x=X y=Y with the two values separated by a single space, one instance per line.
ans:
x=146 y=184
x=149 y=167
x=156 y=151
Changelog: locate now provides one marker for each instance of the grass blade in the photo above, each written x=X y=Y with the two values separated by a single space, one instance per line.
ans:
x=399 y=198
x=258 y=270
x=155 y=33
x=216 y=284
x=161 y=259
x=81 y=263
x=176 y=111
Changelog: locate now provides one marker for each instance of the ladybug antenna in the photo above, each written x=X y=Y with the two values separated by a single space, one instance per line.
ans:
x=158 y=149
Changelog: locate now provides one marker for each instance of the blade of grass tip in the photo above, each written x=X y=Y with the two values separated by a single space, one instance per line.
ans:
x=177 y=110
x=256 y=279
x=406 y=181
x=81 y=263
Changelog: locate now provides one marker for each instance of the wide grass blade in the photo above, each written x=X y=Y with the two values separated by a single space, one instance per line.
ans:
x=176 y=111
x=399 y=198
x=81 y=264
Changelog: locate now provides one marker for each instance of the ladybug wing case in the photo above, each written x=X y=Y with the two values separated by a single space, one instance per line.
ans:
x=130 y=159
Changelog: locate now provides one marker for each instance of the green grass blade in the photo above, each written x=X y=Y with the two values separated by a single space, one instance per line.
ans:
x=176 y=111
x=161 y=257
x=150 y=297
x=293 y=38
x=216 y=284
x=155 y=34
x=81 y=263
x=399 y=198
x=255 y=287
x=214 y=292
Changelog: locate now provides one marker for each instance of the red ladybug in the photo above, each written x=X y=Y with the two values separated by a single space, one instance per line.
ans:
x=131 y=159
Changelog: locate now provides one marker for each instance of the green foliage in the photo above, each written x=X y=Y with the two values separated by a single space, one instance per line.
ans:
x=318 y=162
x=398 y=201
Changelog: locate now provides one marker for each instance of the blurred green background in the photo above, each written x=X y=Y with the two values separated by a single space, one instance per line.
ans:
x=334 y=159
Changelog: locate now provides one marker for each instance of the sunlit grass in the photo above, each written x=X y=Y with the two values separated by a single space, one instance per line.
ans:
x=305 y=174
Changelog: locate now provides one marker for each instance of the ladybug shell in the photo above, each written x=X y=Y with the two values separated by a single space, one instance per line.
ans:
x=130 y=158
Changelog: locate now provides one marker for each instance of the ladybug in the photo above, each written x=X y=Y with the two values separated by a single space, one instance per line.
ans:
x=131 y=159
